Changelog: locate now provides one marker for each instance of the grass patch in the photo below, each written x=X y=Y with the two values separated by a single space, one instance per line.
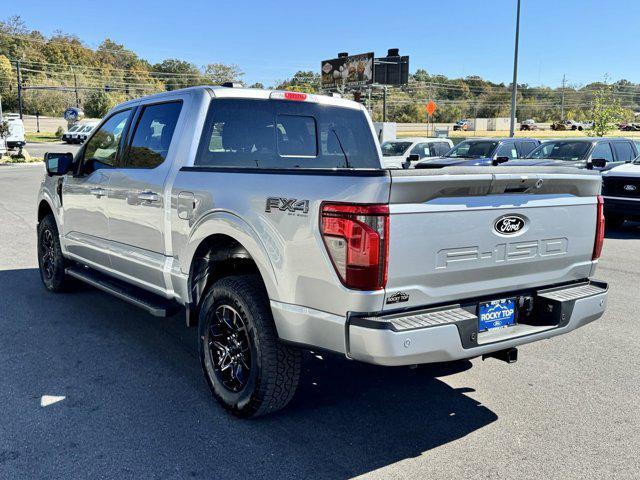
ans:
x=42 y=137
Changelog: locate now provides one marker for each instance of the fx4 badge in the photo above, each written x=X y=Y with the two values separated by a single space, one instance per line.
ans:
x=289 y=205
x=398 y=298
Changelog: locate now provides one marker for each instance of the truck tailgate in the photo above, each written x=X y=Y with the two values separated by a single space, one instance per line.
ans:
x=461 y=233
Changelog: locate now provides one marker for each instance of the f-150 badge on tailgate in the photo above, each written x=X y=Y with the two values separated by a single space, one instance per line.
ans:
x=509 y=225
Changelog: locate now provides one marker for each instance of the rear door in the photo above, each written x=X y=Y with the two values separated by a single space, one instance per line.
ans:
x=445 y=239
x=137 y=201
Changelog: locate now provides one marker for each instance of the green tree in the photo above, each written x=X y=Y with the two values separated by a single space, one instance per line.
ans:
x=97 y=104
x=606 y=112
x=219 y=73
x=302 y=81
x=178 y=74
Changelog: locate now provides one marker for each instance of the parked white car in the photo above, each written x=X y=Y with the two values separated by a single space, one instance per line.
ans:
x=16 y=138
x=66 y=136
x=395 y=153
x=80 y=135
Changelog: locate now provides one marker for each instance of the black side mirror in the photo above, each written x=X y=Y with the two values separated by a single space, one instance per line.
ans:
x=500 y=160
x=597 y=163
x=58 y=163
x=414 y=157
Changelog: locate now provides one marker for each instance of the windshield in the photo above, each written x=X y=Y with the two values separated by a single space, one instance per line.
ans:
x=394 y=149
x=74 y=128
x=473 y=149
x=562 y=150
x=87 y=128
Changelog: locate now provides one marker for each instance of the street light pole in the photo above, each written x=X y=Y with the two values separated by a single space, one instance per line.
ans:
x=514 y=86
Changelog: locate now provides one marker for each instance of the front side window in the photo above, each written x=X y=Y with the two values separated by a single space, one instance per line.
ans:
x=394 y=149
x=473 y=149
x=562 y=150
x=602 y=151
x=285 y=134
x=152 y=135
x=102 y=149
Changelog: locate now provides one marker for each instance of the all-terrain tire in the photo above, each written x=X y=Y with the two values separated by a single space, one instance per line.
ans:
x=274 y=370
x=50 y=260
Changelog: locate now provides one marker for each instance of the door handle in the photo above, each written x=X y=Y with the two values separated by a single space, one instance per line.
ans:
x=149 y=197
x=98 y=192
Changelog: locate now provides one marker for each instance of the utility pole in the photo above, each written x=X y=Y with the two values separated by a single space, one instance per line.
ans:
x=514 y=87
x=19 y=88
x=564 y=80
x=75 y=87
x=384 y=104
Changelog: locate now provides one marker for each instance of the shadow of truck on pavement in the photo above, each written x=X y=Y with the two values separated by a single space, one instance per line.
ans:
x=136 y=404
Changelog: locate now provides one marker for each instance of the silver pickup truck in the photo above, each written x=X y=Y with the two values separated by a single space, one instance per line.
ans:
x=267 y=218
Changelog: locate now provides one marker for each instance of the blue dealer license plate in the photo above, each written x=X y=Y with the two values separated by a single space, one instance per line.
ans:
x=496 y=314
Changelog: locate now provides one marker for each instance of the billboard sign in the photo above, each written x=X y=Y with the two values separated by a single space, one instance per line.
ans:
x=349 y=71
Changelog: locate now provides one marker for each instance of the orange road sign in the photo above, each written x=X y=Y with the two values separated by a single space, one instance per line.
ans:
x=431 y=107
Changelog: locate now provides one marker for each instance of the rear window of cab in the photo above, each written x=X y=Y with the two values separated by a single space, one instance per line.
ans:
x=250 y=133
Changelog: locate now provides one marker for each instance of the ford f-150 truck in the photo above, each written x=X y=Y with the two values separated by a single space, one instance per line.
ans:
x=266 y=216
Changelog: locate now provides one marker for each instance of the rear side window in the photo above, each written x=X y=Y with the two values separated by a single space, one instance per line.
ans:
x=440 y=148
x=422 y=150
x=624 y=151
x=285 y=134
x=152 y=136
x=526 y=148
x=507 y=150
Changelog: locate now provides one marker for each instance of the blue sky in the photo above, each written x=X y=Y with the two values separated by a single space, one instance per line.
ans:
x=585 y=40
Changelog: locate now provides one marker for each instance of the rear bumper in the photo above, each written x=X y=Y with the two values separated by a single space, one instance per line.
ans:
x=451 y=332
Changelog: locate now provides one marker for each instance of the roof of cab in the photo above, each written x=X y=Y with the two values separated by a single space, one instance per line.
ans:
x=241 y=92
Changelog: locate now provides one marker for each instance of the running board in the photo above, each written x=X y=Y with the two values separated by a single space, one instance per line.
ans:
x=152 y=303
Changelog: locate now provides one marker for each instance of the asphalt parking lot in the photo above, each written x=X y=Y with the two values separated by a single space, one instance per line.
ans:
x=37 y=150
x=136 y=405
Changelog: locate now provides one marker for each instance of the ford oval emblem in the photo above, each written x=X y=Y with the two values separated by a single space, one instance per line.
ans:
x=509 y=225
x=630 y=188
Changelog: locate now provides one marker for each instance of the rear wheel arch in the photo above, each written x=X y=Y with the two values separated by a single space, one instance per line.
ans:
x=218 y=256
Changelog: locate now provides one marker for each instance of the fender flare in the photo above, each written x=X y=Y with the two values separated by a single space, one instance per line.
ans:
x=223 y=222
x=45 y=197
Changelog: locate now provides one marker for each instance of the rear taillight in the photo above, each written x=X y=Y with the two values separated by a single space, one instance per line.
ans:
x=357 y=240
x=597 y=246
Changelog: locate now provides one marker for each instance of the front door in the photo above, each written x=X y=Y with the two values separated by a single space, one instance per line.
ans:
x=84 y=195
x=137 y=195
